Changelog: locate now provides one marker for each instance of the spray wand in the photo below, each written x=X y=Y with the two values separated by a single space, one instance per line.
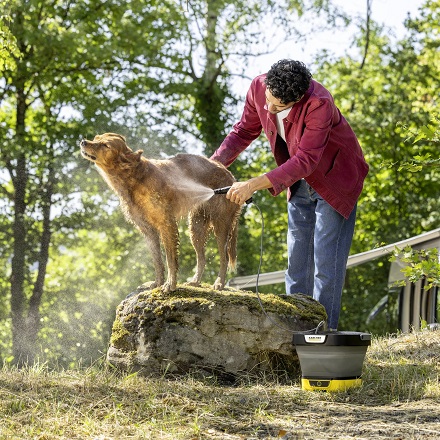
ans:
x=225 y=189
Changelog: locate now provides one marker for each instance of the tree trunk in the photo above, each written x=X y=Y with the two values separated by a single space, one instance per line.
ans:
x=19 y=176
x=33 y=318
x=210 y=95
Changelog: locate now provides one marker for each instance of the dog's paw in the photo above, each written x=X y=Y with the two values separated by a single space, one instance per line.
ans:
x=218 y=285
x=168 y=287
x=192 y=283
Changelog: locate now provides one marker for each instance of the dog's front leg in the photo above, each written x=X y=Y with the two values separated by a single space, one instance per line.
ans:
x=153 y=242
x=169 y=234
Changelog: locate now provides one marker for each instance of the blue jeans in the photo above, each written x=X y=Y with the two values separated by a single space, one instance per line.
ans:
x=318 y=244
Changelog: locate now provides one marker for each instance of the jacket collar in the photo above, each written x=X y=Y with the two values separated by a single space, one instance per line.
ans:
x=294 y=114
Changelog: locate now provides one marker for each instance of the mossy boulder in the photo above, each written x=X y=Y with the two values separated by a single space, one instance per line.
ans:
x=200 y=329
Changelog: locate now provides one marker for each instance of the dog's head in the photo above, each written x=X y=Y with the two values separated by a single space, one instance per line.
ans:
x=109 y=150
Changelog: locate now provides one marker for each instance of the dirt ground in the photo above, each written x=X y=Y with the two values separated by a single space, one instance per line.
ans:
x=414 y=420
x=342 y=421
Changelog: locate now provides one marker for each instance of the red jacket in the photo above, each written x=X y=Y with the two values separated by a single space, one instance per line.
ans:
x=321 y=146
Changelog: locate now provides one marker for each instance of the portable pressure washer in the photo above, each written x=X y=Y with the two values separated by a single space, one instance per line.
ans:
x=331 y=361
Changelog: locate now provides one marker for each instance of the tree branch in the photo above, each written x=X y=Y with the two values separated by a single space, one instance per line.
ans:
x=367 y=32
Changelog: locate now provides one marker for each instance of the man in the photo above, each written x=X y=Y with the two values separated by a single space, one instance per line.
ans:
x=320 y=163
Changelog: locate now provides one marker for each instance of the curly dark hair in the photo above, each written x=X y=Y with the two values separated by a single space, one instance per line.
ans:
x=288 y=80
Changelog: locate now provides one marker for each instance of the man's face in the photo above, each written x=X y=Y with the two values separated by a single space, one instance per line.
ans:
x=274 y=105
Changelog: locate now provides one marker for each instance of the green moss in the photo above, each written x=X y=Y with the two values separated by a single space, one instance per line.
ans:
x=130 y=318
x=119 y=337
x=183 y=303
x=205 y=295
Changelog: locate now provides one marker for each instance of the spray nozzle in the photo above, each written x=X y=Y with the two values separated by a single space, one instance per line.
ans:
x=222 y=190
x=225 y=189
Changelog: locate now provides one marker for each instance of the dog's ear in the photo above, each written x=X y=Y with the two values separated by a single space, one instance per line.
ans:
x=135 y=156
x=131 y=157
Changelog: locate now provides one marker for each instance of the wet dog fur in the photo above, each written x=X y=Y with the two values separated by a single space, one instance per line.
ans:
x=156 y=194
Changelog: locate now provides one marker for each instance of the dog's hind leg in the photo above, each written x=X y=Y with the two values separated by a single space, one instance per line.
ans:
x=199 y=230
x=222 y=232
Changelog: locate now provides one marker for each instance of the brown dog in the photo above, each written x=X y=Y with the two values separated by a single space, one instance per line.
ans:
x=155 y=194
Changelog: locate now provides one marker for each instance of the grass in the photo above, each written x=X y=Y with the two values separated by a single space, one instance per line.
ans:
x=399 y=398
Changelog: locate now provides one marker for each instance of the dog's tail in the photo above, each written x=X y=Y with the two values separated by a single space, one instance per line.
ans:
x=232 y=246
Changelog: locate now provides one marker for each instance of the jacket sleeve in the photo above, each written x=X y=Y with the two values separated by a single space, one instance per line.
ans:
x=307 y=154
x=243 y=133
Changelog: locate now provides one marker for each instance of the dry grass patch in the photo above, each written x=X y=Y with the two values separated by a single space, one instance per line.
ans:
x=399 y=399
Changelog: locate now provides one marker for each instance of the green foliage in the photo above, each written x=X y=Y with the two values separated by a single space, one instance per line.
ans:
x=420 y=264
x=8 y=43
x=188 y=90
x=430 y=133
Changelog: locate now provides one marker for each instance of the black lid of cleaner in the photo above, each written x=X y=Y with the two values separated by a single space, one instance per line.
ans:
x=332 y=338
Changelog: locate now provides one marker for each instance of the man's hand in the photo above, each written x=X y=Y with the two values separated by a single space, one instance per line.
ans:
x=242 y=191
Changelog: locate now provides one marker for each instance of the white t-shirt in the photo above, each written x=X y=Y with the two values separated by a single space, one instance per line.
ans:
x=280 y=126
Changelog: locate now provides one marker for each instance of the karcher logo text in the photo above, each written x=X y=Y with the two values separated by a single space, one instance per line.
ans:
x=315 y=339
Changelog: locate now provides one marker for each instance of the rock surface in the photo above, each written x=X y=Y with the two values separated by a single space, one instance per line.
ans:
x=199 y=329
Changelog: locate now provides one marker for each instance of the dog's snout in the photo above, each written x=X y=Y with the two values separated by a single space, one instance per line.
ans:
x=83 y=143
